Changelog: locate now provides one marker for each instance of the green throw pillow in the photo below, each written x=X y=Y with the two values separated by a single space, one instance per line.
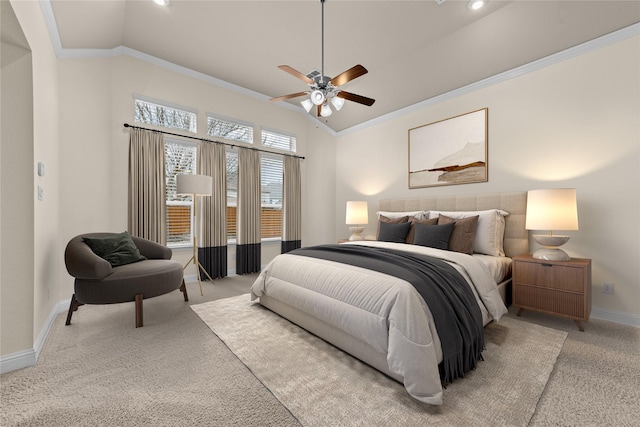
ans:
x=118 y=249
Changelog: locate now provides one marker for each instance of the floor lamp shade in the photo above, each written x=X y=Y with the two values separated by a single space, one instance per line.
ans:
x=552 y=209
x=195 y=185
x=200 y=185
x=357 y=213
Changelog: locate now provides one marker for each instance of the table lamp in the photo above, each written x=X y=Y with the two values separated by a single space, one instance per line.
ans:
x=551 y=209
x=357 y=214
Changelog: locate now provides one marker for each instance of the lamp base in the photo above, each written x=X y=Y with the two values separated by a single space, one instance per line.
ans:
x=551 y=254
x=550 y=251
x=356 y=233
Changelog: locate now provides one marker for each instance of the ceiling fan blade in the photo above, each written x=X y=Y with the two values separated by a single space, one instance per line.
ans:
x=352 y=73
x=356 y=98
x=296 y=73
x=283 y=97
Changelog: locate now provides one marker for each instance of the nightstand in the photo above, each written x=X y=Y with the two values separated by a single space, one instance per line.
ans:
x=561 y=288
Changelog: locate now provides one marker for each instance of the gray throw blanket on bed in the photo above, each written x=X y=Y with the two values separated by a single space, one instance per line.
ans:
x=455 y=311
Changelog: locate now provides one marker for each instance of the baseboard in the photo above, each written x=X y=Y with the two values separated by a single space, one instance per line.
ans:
x=615 y=316
x=26 y=358
x=19 y=360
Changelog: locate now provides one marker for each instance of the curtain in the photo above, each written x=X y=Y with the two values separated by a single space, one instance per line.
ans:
x=291 y=205
x=212 y=212
x=147 y=199
x=248 y=250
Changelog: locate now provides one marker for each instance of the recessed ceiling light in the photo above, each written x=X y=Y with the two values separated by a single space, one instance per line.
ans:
x=476 y=4
x=162 y=2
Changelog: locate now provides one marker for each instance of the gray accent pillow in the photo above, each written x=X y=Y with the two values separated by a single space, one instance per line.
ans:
x=433 y=236
x=118 y=249
x=383 y=218
x=390 y=232
x=413 y=222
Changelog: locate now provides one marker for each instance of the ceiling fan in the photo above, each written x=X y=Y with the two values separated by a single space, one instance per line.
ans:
x=323 y=89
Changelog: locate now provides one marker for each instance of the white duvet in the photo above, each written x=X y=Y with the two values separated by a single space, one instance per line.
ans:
x=377 y=318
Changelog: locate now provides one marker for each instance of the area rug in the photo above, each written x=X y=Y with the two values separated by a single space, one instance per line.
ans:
x=321 y=385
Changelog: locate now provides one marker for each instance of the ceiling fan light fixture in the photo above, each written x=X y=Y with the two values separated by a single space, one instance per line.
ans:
x=307 y=104
x=326 y=110
x=317 y=97
x=337 y=102
x=161 y=2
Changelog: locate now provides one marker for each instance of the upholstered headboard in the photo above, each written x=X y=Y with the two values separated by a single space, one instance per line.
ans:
x=516 y=237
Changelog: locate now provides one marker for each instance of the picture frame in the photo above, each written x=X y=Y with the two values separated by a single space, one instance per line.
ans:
x=450 y=151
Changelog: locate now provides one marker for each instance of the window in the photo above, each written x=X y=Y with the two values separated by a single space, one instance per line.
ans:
x=232 y=194
x=231 y=129
x=154 y=113
x=180 y=158
x=278 y=140
x=271 y=177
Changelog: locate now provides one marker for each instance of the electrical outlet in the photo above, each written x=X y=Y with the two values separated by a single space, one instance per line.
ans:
x=607 y=288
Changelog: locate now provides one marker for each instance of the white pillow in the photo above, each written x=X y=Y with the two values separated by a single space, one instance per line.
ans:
x=394 y=215
x=489 y=232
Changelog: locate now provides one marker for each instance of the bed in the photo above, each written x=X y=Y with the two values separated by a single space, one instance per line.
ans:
x=384 y=320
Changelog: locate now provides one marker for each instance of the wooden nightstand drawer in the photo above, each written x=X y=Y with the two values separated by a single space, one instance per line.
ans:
x=568 y=303
x=551 y=276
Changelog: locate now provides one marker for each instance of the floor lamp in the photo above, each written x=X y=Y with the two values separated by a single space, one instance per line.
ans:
x=195 y=185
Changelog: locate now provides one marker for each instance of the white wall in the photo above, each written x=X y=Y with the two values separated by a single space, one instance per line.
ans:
x=573 y=124
x=16 y=213
x=30 y=236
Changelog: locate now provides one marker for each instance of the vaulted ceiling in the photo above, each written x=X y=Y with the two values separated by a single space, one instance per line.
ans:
x=413 y=50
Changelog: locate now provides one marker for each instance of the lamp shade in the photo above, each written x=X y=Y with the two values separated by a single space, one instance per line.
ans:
x=552 y=209
x=357 y=213
x=307 y=104
x=200 y=185
x=325 y=111
x=337 y=102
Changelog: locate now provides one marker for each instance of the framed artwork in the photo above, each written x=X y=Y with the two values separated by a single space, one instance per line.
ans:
x=450 y=151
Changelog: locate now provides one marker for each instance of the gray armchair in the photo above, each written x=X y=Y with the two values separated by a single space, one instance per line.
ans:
x=98 y=282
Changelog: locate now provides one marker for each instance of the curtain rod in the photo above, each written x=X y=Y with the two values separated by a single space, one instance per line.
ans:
x=211 y=141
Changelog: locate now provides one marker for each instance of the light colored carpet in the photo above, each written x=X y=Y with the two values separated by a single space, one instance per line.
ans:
x=596 y=378
x=322 y=386
x=102 y=371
